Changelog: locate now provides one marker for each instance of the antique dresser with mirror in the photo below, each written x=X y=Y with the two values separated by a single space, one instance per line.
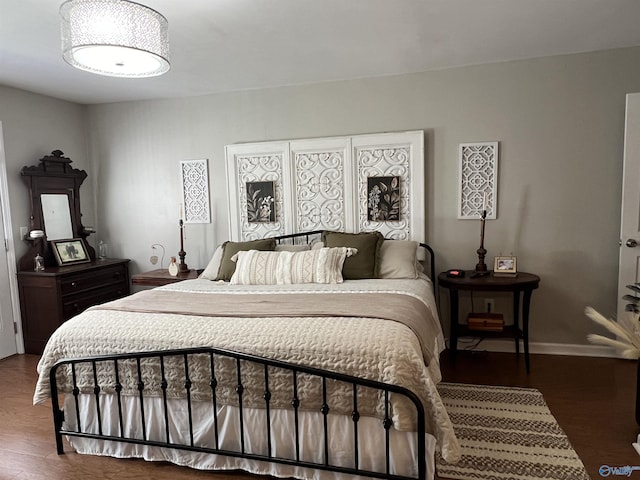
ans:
x=71 y=282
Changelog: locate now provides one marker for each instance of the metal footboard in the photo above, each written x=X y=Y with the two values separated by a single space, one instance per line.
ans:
x=90 y=367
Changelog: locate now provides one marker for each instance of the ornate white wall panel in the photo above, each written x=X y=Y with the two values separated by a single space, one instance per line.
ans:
x=321 y=184
x=320 y=169
x=396 y=155
x=253 y=163
x=478 y=179
x=195 y=191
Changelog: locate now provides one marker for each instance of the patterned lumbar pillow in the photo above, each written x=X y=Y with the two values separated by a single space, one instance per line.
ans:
x=323 y=265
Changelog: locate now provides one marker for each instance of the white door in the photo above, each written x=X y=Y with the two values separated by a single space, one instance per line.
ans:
x=7 y=332
x=8 y=291
x=629 y=272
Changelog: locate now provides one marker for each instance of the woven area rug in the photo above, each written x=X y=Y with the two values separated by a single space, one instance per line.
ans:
x=506 y=433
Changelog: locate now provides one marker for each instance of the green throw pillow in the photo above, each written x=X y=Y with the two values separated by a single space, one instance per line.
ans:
x=363 y=264
x=229 y=249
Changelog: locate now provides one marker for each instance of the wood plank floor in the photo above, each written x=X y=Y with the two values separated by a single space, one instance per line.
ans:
x=592 y=398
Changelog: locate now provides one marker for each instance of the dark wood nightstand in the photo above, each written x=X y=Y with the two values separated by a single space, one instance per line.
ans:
x=159 y=277
x=523 y=283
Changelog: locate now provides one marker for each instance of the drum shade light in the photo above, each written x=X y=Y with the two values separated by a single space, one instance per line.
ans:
x=116 y=38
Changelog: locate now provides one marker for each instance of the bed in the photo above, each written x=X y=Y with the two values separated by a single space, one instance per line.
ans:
x=295 y=363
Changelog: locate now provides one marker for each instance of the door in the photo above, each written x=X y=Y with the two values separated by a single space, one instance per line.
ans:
x=8 y=283
x=7 y=332
x=629 y=267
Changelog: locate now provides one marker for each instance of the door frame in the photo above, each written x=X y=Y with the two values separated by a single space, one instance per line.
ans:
x=10 y=246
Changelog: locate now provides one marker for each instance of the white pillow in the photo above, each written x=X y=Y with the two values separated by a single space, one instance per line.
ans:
x=398 y=259
x=322 y=265
x=211 y=272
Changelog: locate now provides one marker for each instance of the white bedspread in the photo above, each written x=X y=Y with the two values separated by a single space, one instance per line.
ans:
x=373 y=348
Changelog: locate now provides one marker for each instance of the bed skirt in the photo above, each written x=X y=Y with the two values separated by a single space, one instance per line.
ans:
x=371 y=440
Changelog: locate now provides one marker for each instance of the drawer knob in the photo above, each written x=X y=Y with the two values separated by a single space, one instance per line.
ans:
x=73 y=284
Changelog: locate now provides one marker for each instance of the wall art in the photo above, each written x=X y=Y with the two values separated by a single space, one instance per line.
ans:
x=260 y=202
x=478 y=180
x=323 y=184
x=383 y=197
x=195 y=191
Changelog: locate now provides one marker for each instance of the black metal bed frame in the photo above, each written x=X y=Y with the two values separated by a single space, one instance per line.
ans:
x=294 y=369
x=239 y=358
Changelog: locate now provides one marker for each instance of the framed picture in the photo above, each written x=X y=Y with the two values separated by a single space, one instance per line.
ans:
x=69 y=252
x=383 y=199
x=260 y=202
x=504 y=265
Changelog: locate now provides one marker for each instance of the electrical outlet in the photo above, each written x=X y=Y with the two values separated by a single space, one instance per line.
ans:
x=24 y=232
x=488 y=303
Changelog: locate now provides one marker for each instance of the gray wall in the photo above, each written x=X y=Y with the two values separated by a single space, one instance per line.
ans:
x=33 y=126
x=559 y=121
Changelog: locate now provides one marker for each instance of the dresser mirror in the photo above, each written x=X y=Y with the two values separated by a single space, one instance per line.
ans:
x=56 y=214
x=54 y=193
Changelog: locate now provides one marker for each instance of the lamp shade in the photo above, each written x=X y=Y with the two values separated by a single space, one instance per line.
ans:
x=116 y=38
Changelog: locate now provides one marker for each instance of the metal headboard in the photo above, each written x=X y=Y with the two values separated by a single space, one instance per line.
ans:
x=308 y=237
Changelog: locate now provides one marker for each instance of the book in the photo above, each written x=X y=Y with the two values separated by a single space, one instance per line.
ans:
x=488 y=322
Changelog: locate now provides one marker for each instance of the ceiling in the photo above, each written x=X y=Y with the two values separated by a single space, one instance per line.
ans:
x=229 y=45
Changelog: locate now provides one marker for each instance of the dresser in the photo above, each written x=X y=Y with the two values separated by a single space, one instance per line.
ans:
x=50 y=297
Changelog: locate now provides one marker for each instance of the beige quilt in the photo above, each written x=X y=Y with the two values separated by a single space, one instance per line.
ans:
x=385 y=330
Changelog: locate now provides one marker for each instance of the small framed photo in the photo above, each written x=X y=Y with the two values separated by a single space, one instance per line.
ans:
x=70 y=251
x=505 y=265
x=260 y=202
x=383 y=199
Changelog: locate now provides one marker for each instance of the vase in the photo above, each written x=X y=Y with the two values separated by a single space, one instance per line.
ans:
x=173 y=267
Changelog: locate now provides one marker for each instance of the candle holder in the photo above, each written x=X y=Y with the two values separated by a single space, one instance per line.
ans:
x=481 y=267
x=182 y=267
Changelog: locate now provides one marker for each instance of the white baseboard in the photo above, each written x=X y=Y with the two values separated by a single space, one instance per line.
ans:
x=507 y=345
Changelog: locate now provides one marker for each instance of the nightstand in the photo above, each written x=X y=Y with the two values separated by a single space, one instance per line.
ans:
x=159 y=277
x=521 y=285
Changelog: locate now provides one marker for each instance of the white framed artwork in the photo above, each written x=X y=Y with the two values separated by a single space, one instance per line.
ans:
x=477 y=180
x=325 y=184
x=195 y=191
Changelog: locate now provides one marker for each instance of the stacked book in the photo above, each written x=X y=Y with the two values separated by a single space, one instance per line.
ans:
x=487 y=322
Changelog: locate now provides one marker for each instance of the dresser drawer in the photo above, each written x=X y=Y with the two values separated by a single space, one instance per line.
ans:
x=101 y=278
x=75 y=304
x=53 y=296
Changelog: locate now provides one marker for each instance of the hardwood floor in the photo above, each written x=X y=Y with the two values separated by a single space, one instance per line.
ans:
x=593 y=399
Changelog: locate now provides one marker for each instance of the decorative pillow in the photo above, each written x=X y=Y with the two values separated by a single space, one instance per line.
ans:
x=211 y=272
x=229 y=249
x=365 y=263
x=292 y=248
x=323 y=265
x=398 y=259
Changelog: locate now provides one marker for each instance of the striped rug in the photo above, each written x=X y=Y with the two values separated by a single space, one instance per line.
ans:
x=506 y=433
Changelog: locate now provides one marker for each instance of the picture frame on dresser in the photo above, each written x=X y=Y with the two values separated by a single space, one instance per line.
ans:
x=505 y=266
x=70 y=251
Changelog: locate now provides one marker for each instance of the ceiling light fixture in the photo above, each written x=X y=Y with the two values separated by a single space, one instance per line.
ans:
x=116 y=38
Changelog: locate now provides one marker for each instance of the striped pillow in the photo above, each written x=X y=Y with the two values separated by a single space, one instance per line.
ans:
x=323 y=265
